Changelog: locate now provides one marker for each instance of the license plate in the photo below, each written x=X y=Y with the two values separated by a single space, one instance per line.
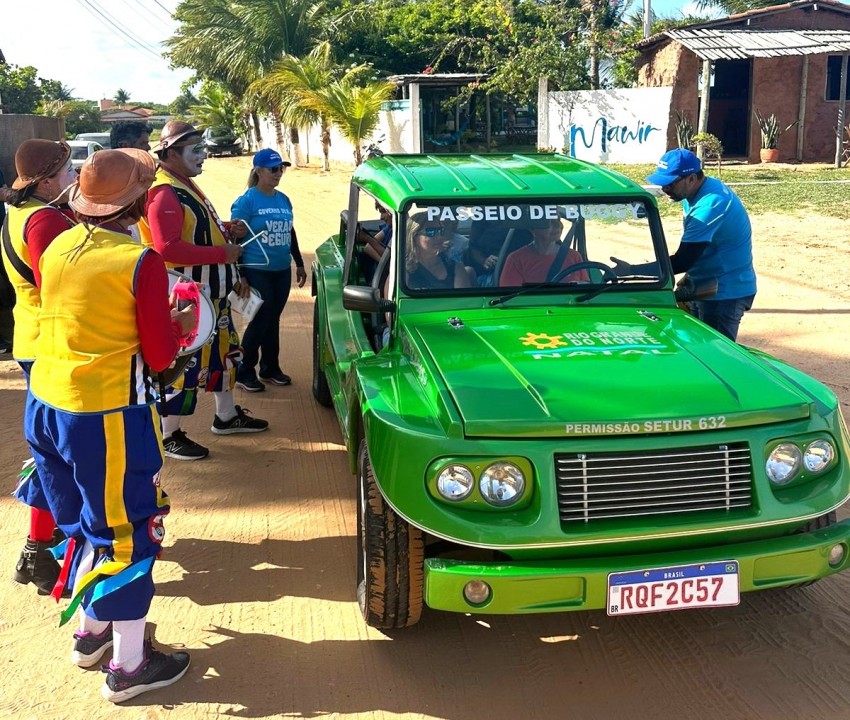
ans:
x=673 y=588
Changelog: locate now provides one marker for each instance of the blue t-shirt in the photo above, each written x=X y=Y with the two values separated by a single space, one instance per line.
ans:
x=717 y=216
x=388 y=233
x=272 y=215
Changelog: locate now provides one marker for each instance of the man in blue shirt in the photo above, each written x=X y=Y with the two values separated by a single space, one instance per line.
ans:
x=716 y=243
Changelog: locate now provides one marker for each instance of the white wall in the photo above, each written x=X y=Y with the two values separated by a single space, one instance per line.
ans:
x=395 y=126
x=610 y=126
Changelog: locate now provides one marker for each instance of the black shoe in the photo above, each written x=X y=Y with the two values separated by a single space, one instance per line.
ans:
x=251 y=385
x=38 y=566
x=58 y=538
x=277 y=378
x=241 y=423
x=179 y=447
x=157 y=671
x=89 y=648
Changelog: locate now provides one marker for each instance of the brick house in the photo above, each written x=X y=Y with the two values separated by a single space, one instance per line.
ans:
x=784 y=60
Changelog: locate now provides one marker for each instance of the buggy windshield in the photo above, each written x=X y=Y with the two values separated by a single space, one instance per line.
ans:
x=510 y=245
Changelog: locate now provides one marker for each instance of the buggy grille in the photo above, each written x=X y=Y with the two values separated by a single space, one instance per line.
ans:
x=598 y=486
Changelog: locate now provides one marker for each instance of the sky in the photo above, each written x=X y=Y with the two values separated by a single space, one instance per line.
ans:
x=96 y=47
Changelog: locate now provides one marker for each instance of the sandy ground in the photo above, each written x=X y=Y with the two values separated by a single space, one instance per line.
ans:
x=257 y=578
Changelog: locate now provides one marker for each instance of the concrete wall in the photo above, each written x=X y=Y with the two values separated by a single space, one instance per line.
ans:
x=625 y=125
x=14 y=129
x=395 y=126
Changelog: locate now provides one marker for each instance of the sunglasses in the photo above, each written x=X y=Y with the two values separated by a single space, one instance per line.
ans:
x=432 y=232
x=276 y=168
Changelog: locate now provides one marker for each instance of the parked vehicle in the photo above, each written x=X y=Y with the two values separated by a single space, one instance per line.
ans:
x=220 y=141
x=373 y=148
x=101 y=138
x=572 y=444
x=80 y=150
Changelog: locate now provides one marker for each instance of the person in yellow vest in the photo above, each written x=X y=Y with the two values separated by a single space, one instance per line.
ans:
x=44 y=173
x=105 y=324
x=181 y=224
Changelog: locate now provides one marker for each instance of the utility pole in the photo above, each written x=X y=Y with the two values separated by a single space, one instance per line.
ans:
x=647 y=18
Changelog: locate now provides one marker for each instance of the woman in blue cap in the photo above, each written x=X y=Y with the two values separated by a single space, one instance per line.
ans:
x=266 y=261
x=716 y=243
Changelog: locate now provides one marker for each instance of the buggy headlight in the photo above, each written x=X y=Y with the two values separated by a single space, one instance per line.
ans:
x=455 y=482
x=818 y=455
x=783 y=463
x=502 y=483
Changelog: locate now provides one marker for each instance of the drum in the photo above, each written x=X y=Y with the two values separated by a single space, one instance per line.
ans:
x=206 y=317
x=204 y=333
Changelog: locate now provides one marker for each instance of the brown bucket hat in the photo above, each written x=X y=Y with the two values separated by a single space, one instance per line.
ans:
x=111 y=180
x=38 y=159
x=175 y=133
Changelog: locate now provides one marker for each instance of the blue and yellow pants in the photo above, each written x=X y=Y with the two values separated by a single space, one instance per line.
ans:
x=100 y=473
x=29 y=490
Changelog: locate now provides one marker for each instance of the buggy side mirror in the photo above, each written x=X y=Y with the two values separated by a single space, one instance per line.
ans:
x=361 y=298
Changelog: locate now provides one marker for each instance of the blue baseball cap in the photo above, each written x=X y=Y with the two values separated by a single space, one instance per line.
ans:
x=269 y=158
x=673 y=165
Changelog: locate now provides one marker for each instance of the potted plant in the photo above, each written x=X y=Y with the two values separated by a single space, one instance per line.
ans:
x=684 y=130
x=770 y=132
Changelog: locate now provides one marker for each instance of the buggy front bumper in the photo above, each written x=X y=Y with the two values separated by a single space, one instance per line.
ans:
x=582 y=584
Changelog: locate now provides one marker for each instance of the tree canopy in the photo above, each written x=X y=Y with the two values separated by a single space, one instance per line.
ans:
x=22 y=90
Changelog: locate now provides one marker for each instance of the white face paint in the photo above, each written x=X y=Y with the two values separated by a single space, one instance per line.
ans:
x=65 y=177
x=52 y=189
x=193 y=157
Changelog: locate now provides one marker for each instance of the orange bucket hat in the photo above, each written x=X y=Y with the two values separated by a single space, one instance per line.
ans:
x=111 y=180
x=37 y=159
x=175 y=134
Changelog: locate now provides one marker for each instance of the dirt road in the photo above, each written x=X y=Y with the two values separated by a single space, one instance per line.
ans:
x=257 y=578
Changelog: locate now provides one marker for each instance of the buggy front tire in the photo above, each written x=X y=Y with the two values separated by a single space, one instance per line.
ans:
x=819 y=523
x=390 y=557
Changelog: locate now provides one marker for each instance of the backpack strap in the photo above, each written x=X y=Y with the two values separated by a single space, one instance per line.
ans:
x=24 y=270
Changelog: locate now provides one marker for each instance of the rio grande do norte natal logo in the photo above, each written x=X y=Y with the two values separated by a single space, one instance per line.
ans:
x=599 y=342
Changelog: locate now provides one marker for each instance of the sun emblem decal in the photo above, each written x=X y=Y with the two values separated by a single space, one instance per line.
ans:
x=542 y=340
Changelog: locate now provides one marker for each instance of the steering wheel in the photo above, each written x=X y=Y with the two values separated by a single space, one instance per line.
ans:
x=608 y=274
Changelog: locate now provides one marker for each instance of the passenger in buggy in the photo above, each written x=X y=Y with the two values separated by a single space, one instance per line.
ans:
x=542 y=258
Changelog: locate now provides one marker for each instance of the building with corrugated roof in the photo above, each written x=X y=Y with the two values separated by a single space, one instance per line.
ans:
x=784 y=60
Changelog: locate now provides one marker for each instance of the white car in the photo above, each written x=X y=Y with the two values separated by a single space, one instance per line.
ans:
x=101 y=138
x=80 y=150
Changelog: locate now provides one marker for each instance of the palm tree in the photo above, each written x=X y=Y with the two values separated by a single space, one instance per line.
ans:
x=217 y=108
x=235 y=43
x=293 y=83
x=602 y=16
x=353 y=109
x=122 y=97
